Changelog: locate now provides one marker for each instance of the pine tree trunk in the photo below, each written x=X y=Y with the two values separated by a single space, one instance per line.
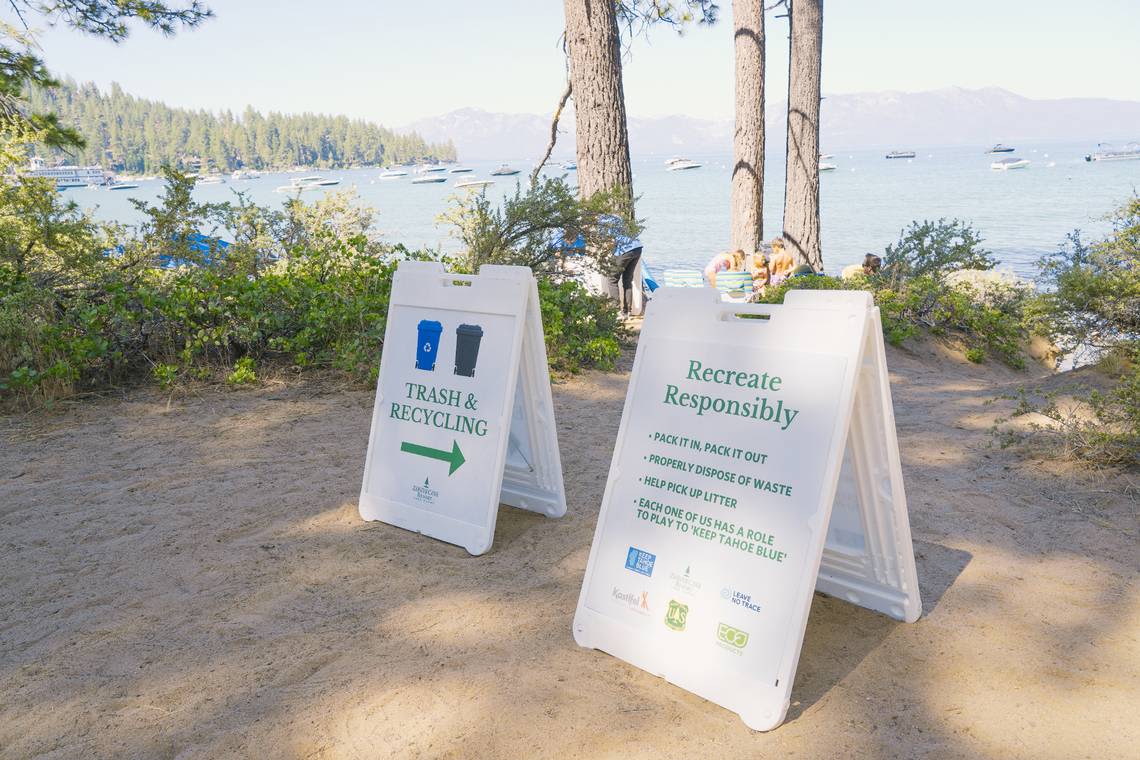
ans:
x=801 y=182
x=599 y=101
x=748 y=140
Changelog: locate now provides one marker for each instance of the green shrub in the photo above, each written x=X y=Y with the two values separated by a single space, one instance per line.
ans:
x=582 y=330
x=165 y=374
x=933 y=250
x=1090 y=308
x=85 y=307
x=244 y=372
x=988 y=322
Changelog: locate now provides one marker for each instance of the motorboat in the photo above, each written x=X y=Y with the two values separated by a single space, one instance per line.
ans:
x=122 y=186
x=1005 y=164
x=901 y=154
x=461 y=170
x=570 y=166
x=475 y=183
x=242 y=174
x=680 y=164
x=504 y=171
x=432 y=169
x=311 y=182
x=826 y=156
x=393 y=174
x=999 y=148
x=1129 y=152
x=826 y=167
x=212 y=179
x=428 y=179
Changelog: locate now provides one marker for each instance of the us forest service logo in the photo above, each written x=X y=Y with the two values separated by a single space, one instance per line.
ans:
x=676 y=615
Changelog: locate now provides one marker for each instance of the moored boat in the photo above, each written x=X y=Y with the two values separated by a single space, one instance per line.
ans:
x=504 y=171
x=1005 y=164
x=461 y=170
x=393 y=174
x=826 y=167
x=67 y=176
x=1129 y=152
x=999 y=148
x=428 y=179
x=475 y=183
x=901 y=154
x=311 y=182
x=680 y=164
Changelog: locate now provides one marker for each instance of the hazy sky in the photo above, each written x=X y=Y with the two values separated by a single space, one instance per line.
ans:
x=394 y=62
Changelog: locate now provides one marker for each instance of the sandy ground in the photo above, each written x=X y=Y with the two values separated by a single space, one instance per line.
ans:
x=192 y=580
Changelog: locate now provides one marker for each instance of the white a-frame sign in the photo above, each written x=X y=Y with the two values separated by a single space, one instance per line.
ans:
x=463 y=419
x=756 y=461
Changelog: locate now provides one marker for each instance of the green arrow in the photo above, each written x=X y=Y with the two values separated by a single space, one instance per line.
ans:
x=454 y=457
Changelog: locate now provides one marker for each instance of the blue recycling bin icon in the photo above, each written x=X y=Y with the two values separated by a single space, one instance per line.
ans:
x=427 y=343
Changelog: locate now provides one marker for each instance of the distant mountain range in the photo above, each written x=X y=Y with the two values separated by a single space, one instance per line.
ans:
x=949 y=116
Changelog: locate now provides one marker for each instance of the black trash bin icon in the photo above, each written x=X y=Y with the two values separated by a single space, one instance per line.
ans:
x=467 y=339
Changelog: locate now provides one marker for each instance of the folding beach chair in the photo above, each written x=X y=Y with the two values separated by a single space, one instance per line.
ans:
x=683 y=278
x=734 y=286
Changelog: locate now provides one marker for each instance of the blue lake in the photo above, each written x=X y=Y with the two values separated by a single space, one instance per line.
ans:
x=865 y=202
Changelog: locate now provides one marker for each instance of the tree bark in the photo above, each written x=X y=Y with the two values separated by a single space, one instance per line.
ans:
x=594 y=44
x=801 y=182
x=748 y=139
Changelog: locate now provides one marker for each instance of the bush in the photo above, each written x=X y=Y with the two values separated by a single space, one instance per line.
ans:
x=915 y=296
x=308 y=286
x=582 y=330
x=1091 y=308
x=933 y=250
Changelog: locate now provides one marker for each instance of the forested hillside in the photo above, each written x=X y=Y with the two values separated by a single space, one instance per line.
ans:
x=131 y=134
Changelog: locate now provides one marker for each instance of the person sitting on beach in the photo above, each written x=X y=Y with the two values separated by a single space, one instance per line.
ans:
x=781 y=263
x=871 y=265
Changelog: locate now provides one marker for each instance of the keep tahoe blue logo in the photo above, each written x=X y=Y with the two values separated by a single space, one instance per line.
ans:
x=640 y=561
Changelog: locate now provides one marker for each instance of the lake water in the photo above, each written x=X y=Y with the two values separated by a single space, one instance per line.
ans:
x=864 y=203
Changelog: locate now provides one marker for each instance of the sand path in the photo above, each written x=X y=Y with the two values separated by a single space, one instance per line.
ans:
x=194 y=581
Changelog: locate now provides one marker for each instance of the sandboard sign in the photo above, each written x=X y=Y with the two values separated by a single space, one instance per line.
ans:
x=464 y=418
x=756 y=461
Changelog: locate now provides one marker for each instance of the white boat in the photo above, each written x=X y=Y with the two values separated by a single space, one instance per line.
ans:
x=393 y=174
x=432 y=169
x=570 y=166
x=1005 y=164
x=475 y=183
x=461 y=170
x=241 y=174
x=212 y=179
x=826 y=167
x=901 y=154
x=825 y=156
x=1129 y=152
x=67 y=176
x=999 y=148
x=680 y=164
x=122 y=186
x=428 y=179
x=504 y=171
x=311 y=182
